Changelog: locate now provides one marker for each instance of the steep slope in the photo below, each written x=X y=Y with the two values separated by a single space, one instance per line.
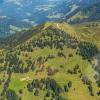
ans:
x=91 y=13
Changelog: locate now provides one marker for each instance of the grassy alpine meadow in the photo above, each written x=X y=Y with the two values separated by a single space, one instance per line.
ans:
x=54 y=64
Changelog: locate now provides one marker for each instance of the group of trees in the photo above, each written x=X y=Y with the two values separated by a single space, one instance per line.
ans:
x=67 y=86
x=75 y=70
x=92 y=25
x=15 y=64
x=87 y=50
x=51 y=37
x=6 y=85
x=53 y=90
x=11 y=95
x=2 y=59
x=87 y=82
x=98 y=82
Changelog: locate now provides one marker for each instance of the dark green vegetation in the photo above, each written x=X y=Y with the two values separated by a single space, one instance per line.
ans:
x=87 y=50
x=52 y=61
x=53 y=90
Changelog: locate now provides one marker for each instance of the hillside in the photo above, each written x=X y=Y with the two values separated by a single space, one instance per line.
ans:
x=91 y=13
x=83 y=32
x=52 y=61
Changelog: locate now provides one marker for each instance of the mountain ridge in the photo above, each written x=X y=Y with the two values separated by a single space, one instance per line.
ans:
x=90 y=13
